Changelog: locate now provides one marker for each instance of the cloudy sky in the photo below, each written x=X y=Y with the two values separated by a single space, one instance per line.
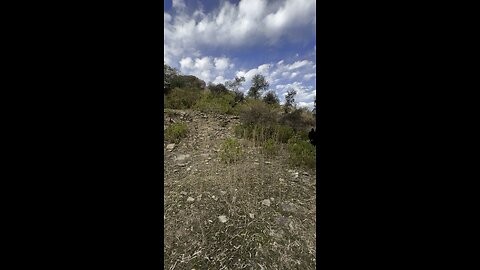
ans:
x=217 y=40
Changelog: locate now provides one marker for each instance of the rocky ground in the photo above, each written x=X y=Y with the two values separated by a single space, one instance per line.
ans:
x=257 y=213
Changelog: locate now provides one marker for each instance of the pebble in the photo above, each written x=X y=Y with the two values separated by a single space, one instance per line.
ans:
x=266 y=202
x=183 y=193
x=251 y=215
x=222 y=218
x=190 y=199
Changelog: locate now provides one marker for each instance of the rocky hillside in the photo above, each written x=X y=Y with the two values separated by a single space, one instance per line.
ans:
x=255 y=213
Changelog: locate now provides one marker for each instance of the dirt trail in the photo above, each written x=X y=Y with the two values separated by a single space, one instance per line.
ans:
x=257 y=213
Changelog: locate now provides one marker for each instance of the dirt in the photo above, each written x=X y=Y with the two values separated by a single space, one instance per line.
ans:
x=214 y=217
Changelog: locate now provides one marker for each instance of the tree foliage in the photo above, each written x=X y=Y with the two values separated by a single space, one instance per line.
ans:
x=217 y=88
x=290 y=100
x=234 y=84
x=271 y=98
x=259 y=85
x=169 y=74
x=187 y=81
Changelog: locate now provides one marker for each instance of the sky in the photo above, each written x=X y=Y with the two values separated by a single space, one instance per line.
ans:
x=217 y=40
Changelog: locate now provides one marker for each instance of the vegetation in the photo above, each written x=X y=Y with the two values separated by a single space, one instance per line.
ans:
x=259 y=85
x=301 y=153
x=290 y=100
x=168 y=74
x=217 y=88
x=270 y=148
x=231 y=151
x=187 y=81
x=271 y=98
x=182 y=98
x=175 y=132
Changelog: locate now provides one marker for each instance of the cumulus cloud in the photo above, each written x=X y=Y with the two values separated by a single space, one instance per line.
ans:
x=248 y=23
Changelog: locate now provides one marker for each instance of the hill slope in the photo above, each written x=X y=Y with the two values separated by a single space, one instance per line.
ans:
x=256 y=213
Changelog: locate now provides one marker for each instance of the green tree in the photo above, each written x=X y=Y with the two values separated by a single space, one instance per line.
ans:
x=290 y=100
x=271 y=98
x=234 y=84
x=169 y=74
x=217 y=88
x=259 y=84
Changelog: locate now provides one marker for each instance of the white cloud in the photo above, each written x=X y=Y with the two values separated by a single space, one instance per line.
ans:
x=309 y=76
x=178 y=4
x=235 y=26
x=298 y=64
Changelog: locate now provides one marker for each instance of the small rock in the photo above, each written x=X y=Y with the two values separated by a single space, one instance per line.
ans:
x=305 y=173
x=222 y=218
x=290 y=207
x=268 y=162
x=223 y=192
x=272 y=199
x=183 y=193
x=170 y=146
x=251 y=215
x=190 y=199
x=266 y=202
x=281 y=220
x=182 y=157
x=281 y=179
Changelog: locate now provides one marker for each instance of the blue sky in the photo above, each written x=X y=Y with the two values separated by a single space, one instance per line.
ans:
x=218 y=40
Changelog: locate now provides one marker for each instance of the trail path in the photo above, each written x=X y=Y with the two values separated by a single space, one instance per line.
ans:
x=257 y=213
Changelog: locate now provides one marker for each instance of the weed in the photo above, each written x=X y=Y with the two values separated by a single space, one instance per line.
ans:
x=181 y=98
x=270 y=148
x=231 y=151
x=301 y=153
x=175 y=132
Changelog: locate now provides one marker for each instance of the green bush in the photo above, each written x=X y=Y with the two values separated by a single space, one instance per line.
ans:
x=270 y=148
x=221 y=103
x=182 y=98
x=256 y=112
x=284 y=133
x=175 y=132
x=301 y=153
x=231 y=151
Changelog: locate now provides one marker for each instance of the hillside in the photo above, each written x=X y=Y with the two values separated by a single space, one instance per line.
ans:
x=255 y=213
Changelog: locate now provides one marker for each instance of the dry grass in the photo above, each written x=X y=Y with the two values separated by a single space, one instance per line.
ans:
x=275 y=238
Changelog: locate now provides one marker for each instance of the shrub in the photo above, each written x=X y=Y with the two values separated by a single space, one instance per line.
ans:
x=257 y=112
x=270 y=148
x=222 y=103
x=217 y=88
x=187 y=81
x=284 y=133
x=271 y=98
x=301 y=153
x=182 y=98
x=297 y=120
x=175 y=132
x=231 y=150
